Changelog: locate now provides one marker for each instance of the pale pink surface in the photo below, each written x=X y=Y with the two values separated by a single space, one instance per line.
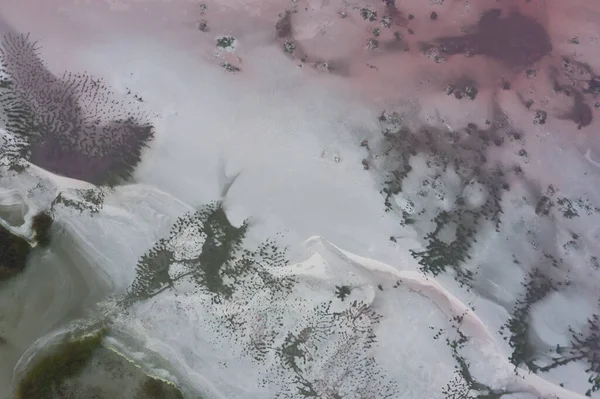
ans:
x=405 y=80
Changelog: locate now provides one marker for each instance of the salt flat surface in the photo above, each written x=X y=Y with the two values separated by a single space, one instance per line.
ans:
x=280 y=147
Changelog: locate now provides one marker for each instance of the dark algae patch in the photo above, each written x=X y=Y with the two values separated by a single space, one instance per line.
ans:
x=517 y=330
x=230 y=67
x=208 y=269
x=41 y=224
x=153 y=388
x=448 y=234
x=222 y=266
x=342 y=291
x=584 y=346
x=464 y=385
x=452 y=214
x=84 y=369
x=225 y=42
x=14 y=251
x=47 y=375
x=232 y=271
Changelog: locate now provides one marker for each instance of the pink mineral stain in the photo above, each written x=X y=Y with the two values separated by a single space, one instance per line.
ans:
x=512 y=68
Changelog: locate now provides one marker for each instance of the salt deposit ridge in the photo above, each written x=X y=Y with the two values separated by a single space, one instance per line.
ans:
x=312 y=186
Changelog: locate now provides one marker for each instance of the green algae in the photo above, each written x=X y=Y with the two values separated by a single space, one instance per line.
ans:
x=82 y=368
x=154 y=388
x=47 y=375
x=225 y=42
x=14 y=251
x=41 y=224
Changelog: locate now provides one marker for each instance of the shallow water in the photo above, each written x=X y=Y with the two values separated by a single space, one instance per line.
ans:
x=57 y=286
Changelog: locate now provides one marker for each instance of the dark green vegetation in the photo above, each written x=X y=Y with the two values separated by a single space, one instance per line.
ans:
x=568 y=208
x=41 y=224
x=153 y=388
x=225 y=42
x=14 y=252
x=584 y=346
x=368 y=14
x=454 y=231
x=350 y=371
x=4 y=83
x=230 y=67
x=48 y=374
x=233 y=275
x=450 y=223
x=220 y=268
x=342 y=291
x=65 y=372
x=464 y=385
x=440 y=254
x=537 y=287
x=289 y=46
x=465 y=88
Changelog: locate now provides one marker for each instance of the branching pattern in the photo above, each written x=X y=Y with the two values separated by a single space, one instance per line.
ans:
x=327 y=356
x=209 y=250
x=323 y=354
x=90 y=200
x=536 y=288
x=450 y=234
x=456 y=194
x=584 y=347
x=70 y=125
x=464 y=385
